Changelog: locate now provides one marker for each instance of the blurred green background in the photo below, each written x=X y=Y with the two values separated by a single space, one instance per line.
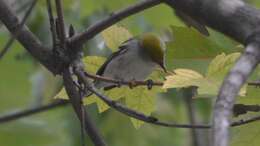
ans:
x=24 y=84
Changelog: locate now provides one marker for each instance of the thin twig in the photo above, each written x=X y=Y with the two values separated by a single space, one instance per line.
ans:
x=188 y=95
x=247 y=121
x=61 y=23
x=28 y=112
x=52 y=24
x=254 y=83
x=31 y=111
x=12 y=38
x=129 y=112
x=119 y=82
x=240 y=109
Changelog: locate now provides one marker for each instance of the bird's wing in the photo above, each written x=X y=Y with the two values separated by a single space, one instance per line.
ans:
x=122 y=49
x=189 y=21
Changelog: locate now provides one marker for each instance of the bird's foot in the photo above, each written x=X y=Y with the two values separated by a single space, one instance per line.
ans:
x=132 y=84
x=149 y=84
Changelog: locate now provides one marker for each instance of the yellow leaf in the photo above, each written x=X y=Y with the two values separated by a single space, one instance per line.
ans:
x=61 y=95
x=221 y=64
x=182 y=78
x=115 y=35
x=143 y=100
x=139 y=98
x=209 y=84
x=93 y=63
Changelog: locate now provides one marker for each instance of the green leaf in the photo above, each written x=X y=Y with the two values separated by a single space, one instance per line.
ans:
x=93 y=63
x=221 y=64
x=185 y=78
x=138 y=98
x=190 y=44
x=207 y=85
x=115 y=35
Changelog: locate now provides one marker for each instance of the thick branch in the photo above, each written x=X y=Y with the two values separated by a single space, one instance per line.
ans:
x=12 y=38
x=234 y=18
x=93 y=30
x=75 y=100
x=229 y=90
x=29 y=41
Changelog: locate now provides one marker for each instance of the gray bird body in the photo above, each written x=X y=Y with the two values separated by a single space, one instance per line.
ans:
x=128 y=63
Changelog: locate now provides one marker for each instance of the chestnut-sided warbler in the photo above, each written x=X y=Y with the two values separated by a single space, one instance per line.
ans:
x=135 y=60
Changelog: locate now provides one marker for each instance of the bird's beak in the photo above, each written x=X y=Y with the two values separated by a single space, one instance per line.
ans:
x=161 y=64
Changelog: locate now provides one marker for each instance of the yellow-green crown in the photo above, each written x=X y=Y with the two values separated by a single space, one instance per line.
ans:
x=154 y=46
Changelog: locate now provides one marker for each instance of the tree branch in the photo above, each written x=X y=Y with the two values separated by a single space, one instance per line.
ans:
x=241 y=22
x=75 y=100
x=129 y=83
x=189 y=93
x=229 y=90
x=31 y=111
x=52 y=25
x=140 y=116
x=93 y=30
x=28 y=112
x=29 y=41
x=12 y=38
x=61 y=24
x=240 y=109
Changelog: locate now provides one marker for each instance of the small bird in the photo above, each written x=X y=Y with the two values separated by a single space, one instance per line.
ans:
x=135 y=60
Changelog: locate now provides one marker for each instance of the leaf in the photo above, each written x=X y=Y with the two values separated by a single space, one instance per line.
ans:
x=115 y=35
x=186 y=78
x=61 y=95
x=207 y=85
x=93 y=63
x=221 y=64
x=138 y=98
x=114 y=94
x=182 y=78
x=190 y=44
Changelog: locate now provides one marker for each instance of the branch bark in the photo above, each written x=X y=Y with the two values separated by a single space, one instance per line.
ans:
x=12 y=38
x=229 y=90
x=28 y=112
x=82 y=114
x=239 y=21
x=29 y=41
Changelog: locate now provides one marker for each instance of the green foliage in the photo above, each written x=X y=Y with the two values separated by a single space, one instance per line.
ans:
x=208 y=85
x=115 y=35
x=190 y=55
x=138 y=98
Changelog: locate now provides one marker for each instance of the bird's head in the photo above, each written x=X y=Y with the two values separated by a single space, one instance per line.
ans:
x=154 y=47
